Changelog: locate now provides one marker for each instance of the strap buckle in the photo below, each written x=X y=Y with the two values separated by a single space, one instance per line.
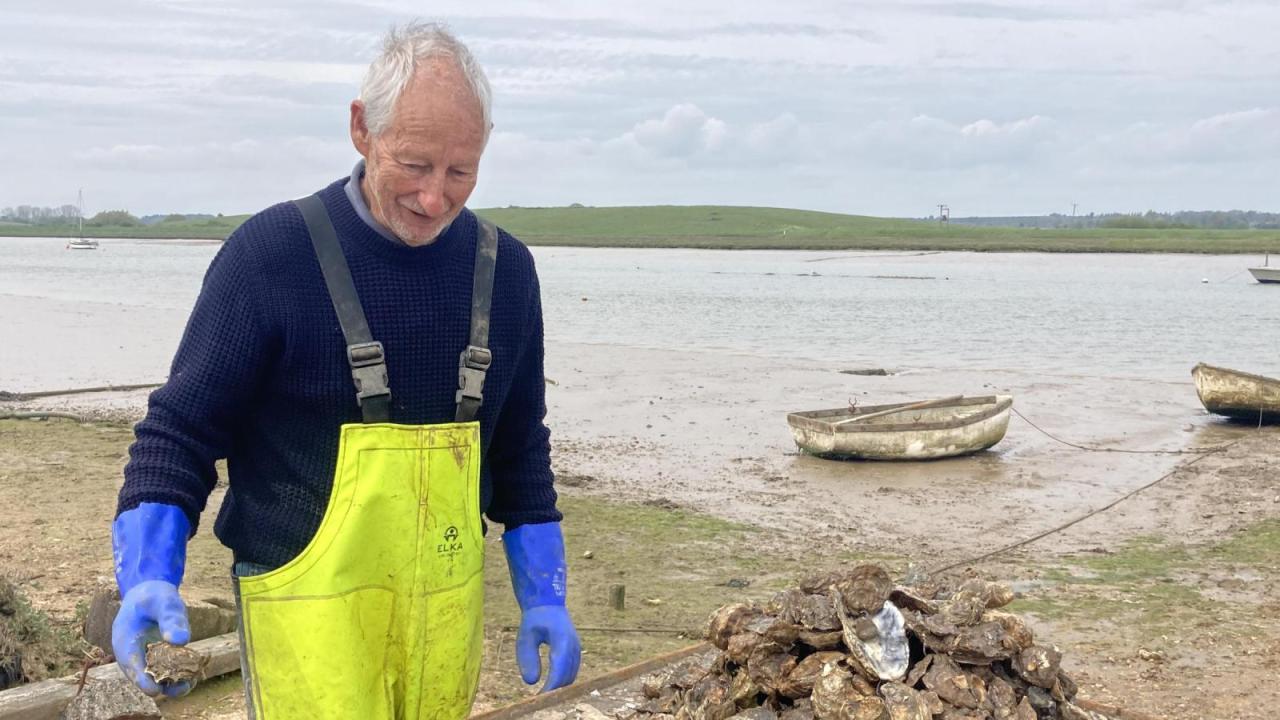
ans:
x=473 y=363
x=368 y=369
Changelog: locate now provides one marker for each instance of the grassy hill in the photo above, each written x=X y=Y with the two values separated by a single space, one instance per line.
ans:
x=210 y=229
x=728 y=227
x=711 y=226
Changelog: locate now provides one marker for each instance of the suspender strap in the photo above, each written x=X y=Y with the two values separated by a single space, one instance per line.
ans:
x=476 y=358
x=364 y=354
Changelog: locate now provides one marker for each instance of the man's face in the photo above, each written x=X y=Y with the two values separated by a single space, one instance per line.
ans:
x=421 y=169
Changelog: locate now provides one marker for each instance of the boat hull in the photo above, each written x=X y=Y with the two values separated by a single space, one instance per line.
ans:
x=1266 y=274
x=964 y=426
x=1236 y=394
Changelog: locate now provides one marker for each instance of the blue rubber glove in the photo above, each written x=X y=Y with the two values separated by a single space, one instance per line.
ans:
x=535 y=556
x=149 y=545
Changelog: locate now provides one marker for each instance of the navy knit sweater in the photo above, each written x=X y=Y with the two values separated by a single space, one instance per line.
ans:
x=261 y=377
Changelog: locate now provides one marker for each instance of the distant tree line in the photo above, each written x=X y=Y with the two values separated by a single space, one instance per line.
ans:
x=69 y=215
x=1186 y=219
x=66 y=215
x=33 y=215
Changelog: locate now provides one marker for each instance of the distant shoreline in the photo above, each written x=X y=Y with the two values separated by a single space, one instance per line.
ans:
x=755 y=228
x=1080 y=244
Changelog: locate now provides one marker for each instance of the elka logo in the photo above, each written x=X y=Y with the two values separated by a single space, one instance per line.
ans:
x=451 y=542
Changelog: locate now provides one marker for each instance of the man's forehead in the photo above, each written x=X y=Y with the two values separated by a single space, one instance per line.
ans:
x=445 y=91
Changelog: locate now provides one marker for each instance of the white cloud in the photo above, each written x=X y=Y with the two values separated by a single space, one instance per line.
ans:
x=243 y=156
x=1245 y=136
x=834 y=104
x=682 y=131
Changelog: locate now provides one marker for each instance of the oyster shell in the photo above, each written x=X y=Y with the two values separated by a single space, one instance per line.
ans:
x=903 y=703
x=819 y=583
x=954 y=685
x=886 y=655
x=799 y=682
x=742 y=645
x=981 y=644
x=710 y=699
x=837 y=696
x=907 y=598
x=756 y=713
x=1002 y=699
x=820 y=640
x=963 y=609
x=1065 y=688
x=918 y=670
x=1019 y=635
x=768 y=665
x=729 y=621
x=993 y=595
x=801 y=710
x=169 y=664
x=865 y=590
x=1039 y=665
x=811 y=610
x=745 y=691
x=651 y=685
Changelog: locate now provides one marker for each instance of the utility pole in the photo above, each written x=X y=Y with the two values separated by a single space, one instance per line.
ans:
x=1073 y=209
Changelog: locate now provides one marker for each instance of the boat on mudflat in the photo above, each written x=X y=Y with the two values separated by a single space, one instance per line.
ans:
x=904 y=431
x=1237 y=394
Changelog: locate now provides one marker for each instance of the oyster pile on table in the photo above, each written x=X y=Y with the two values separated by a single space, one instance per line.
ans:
x=853 y=646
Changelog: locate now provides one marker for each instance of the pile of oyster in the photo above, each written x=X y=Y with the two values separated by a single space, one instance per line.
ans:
x=853 y=646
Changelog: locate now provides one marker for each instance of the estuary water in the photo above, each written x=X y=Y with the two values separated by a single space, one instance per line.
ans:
x=115 y=315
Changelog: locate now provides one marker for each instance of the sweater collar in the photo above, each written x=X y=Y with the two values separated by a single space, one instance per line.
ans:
x=355 y=194
x=352 y=227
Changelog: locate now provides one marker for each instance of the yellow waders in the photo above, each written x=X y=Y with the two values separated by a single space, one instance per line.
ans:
x=380 y=616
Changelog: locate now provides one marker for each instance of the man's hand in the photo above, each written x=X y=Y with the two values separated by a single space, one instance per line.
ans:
x=535 y=556
x=151 y=611
x=548 y=625
x=149 y=546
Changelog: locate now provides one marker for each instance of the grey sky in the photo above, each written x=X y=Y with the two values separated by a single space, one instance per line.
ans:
x=882 y=108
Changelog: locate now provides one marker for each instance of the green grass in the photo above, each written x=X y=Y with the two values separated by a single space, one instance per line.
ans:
x=721 y=227
x=1259 y=547
x=1142 y=585
x=206 y=229
x=759 y=228
x=45 y=648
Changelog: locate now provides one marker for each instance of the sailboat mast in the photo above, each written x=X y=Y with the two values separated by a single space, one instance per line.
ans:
x=80 y=210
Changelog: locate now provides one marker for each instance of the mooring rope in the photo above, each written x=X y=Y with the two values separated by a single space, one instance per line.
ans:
x=1091 y=513
x=1089 y=448
x=21 y=396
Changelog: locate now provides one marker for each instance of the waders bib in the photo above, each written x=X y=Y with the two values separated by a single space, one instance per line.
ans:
x=380 y=616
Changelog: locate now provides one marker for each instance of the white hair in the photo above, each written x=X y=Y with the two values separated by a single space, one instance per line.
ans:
x=402 y=50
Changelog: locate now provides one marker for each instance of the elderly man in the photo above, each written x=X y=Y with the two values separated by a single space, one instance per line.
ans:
x=369 y=362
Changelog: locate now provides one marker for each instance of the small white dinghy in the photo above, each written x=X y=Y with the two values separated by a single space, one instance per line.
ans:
x=904 y=431
x=1266 y=274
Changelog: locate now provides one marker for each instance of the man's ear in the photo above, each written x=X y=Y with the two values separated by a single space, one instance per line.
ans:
x=360 y=136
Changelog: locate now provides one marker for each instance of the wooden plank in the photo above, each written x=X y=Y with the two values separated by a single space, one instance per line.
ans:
x=577 y=690
x=912 y=406
x=45 y=700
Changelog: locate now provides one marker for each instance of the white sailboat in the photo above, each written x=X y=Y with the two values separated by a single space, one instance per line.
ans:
x=1266 y=273
x=82 y=242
